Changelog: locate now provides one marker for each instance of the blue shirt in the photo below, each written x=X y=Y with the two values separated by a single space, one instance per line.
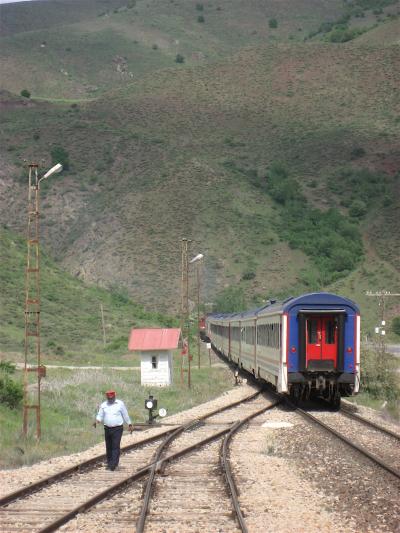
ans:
x=113 y=414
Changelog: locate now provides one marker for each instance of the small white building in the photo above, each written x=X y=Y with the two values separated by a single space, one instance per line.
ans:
x=155 y=346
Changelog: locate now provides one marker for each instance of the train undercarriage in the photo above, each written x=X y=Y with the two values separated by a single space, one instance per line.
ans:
x=331 y=387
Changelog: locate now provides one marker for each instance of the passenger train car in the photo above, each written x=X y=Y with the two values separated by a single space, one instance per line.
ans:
x=305 y=346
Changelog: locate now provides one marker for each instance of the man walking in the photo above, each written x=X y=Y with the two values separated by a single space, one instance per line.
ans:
x=113 y=414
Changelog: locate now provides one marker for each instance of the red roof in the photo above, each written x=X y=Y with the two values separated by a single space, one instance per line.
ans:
x=154 y=339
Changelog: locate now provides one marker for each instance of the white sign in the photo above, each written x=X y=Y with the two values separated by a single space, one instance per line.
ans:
x=208 y=345
x=162 y=412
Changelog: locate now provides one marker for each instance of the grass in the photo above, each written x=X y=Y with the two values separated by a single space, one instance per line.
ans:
x=71 y=324
x=70 y=399
x=388 y=409
x=79 y=54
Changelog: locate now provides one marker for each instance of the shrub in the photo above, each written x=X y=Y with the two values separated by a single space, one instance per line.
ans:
x=273 y=23
x=358 y=209
x=327 y=237
x=200 y=18
x=248 y=275
x=179 y=58
x=357 y=152
x=60 y=155
x=25 y=93
x=199 y=7
x=6 y=367
x=379 y=376
x=229 y=300
x=343 y=35
x=396 y=325
x=11 y=392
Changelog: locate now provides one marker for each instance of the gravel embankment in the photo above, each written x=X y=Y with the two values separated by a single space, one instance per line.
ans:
x=292 y=476
x=12 y=480
x=313 y=480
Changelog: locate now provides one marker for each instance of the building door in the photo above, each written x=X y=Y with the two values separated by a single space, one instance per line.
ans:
x=321 y=342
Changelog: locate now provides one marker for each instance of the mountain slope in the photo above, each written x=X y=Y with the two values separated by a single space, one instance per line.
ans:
x=187 y=151
x=70 y=316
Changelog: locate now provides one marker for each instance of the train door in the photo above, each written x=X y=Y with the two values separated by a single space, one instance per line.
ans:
x=321 y=342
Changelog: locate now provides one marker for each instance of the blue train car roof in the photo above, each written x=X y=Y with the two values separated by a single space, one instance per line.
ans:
x=316 y=300
x=319 y=300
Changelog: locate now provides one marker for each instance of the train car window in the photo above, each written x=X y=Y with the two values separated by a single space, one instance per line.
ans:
x=330 y=332
x=269 y=335
x=312 y=327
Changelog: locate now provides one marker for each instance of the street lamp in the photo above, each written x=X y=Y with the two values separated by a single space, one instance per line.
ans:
x=32 y=298
x=54 y=170
x=197 y=259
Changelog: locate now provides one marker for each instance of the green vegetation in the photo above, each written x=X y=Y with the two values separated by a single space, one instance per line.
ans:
x=70 y=400
x=60 y=155
x=396 y=325
x=342 y=35
x=360 y=189
x=230 y=300
x=380 y=379
x=25 y=93
x=332 y=241
x=273 y=23
x=10 y=390
x=71 y=322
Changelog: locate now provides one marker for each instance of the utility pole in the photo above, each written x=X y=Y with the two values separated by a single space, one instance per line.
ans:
x=197 y=259
x=381 y=329
x=102 y=324
x=185 y=326
x=32 y=359
x=198 y=264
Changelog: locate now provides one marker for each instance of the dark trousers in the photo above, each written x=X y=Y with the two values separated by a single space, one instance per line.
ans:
x=113 y=444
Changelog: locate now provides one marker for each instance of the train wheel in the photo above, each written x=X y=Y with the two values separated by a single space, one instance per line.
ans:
x=295 y=394
x=336 y=400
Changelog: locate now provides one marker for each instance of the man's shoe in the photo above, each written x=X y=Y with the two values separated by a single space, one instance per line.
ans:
x=112 y=468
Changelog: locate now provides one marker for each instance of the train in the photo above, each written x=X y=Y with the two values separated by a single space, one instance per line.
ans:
x=306 y=346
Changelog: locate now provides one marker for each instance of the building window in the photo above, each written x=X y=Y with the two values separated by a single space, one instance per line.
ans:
x=154 y=362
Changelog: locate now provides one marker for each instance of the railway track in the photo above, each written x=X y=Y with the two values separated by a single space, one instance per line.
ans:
x=204 y=504
x=54 y=501
x=375 y=442
x=347 y=412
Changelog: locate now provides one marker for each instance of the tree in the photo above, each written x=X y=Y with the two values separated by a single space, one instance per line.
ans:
x=179 y=58
x=396 y=325
x=357 y=209
x=60 y=155
x=273 y=23
x=11 y=392
x=230 y=299
x=25 y=93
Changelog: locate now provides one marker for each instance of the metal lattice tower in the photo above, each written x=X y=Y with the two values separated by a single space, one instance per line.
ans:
x=32 y=364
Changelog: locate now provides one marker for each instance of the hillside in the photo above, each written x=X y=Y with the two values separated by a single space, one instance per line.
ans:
x=71 y=324
x=58 y=50
x=232 y=148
